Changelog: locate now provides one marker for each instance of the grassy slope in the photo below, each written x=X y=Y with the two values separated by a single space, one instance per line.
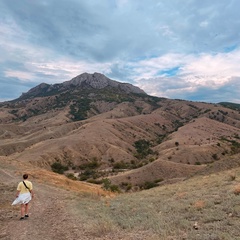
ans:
x=166 y=212
x=170 y=212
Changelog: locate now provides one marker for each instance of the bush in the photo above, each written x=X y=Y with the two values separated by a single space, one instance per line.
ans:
x=106 y=183
x=120 y=165
x=114 y=188
x=59 y=168
x=108 y=186
x=126 y=186
x=143 y=148
x=88 y=173
x=90 y=165
x=71 y=176
x=215 y=156
x=148 y=185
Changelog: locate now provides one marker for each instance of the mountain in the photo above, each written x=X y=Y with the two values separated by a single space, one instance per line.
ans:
x=83 y=96
x=82 y=82
x=92 y=127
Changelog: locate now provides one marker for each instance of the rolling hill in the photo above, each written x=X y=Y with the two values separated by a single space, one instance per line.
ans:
x=92 y=127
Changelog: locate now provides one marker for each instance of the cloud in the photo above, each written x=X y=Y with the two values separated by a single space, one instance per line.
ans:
x=203 y=77
x=169 y=48
x=24 y=76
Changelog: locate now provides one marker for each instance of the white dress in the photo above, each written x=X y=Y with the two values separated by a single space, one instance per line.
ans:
x=23 y=198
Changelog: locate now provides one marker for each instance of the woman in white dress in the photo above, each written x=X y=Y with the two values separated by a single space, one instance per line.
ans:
x=24 y=196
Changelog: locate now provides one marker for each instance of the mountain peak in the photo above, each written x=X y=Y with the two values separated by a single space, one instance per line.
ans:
x=82 y=81
x=100 y=81
x=95 y=80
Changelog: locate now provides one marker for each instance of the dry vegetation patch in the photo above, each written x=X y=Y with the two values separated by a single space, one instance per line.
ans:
x=203 y=207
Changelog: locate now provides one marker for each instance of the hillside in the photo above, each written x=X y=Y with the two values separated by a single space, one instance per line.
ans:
x=92 y=127
x=201 y=207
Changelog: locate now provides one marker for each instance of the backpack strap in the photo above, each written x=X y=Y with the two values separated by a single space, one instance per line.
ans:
x=26 y=186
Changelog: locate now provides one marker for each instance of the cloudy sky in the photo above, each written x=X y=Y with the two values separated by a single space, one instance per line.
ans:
x=180 y=49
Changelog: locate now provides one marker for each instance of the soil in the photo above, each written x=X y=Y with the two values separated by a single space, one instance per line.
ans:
x=50 y=216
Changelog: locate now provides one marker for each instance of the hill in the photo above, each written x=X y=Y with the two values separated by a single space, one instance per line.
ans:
x=92 y=127
x=97 y=130
x=201 y=207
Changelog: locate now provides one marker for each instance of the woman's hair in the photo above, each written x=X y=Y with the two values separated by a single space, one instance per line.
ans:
x=25 y=176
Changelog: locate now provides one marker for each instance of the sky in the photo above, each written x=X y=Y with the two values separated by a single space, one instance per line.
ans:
x=178 y=49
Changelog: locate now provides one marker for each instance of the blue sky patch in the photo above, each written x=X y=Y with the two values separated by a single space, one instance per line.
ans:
x=169 y=72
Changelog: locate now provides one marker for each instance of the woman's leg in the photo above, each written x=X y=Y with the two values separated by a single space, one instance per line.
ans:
x=26 y=209
x=22 y=210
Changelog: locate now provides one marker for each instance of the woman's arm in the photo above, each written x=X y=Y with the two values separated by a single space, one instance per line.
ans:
x=32 y=193
x=17 y=194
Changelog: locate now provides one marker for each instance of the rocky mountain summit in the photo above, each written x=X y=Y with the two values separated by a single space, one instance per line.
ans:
x=84 y=81
x=100 y=81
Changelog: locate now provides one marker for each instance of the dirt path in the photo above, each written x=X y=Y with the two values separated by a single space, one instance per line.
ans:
x=53 y=214
x=49 y=218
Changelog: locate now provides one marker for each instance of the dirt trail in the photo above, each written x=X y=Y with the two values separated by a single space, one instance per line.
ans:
x=48 y=217
x=53 y=214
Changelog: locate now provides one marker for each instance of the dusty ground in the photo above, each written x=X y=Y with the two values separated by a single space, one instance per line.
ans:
x=52 y=214
x=48 y=215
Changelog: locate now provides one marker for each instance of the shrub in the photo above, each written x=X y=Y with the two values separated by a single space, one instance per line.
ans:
x=71 y=176
x=143 y=148
x=88 y=173
x=106 y=183
x=58 y=168
x=120 y=165
x=108 y=186
x=126 y=186
x=114 y=188
x=90 y=165
x=148 y=185
x=215 y=156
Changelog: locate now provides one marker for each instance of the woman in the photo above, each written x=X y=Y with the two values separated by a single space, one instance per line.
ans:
x=24 y=196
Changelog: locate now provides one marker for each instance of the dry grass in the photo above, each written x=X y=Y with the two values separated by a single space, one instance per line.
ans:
x=170 y=212
x=200 y=208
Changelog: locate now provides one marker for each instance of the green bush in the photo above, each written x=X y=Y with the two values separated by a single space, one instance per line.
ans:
x=143 y=148
x=114 y=188
x=88 y=173
x=120 y=165
x=71 y=176
x=148 y=185
x=90 y=165
x=59 y=168
x=106 y=183
x=108 y=186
